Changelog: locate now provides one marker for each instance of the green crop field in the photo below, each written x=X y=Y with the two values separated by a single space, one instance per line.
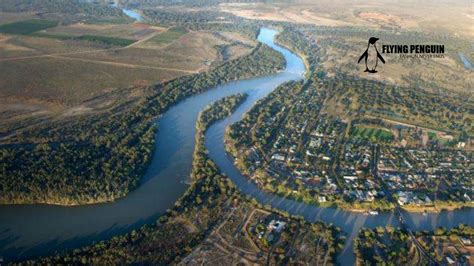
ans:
x=169 y=36
x=27 y=27
x=91 y=38
x=372 y=133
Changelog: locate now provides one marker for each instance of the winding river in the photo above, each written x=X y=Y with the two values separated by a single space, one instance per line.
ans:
x=32 y=230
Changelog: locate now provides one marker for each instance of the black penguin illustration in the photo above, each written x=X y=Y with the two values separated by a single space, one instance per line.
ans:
x=371 y=56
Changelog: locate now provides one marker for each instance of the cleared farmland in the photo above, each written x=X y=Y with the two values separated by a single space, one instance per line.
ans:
x=56 y=70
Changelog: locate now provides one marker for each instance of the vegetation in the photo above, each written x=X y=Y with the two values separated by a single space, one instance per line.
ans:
x=404 y=104
x=371 y=249
x=175 y=17
x=27 y=27
x=391 y=246
x=102 y=157
x=203 y=20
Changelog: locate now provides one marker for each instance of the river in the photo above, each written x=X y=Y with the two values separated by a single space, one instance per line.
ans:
x=468 y=65
x=38 y=229
x=131 y=13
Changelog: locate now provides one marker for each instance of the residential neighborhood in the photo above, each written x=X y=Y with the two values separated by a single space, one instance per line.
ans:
x=352 y=164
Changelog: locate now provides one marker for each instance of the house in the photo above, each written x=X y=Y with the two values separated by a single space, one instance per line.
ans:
x=314 y=143
x=450 y=260
x=467 y=197
x=402 y=198
x=427 y=200
x=278 y=157
x=466 y=241
x=350 y=177
x=276 y=226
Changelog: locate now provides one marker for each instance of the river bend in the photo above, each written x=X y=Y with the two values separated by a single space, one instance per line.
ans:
x=39 y=229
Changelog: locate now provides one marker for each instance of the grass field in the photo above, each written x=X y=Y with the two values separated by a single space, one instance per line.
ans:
x=169 y=36
x=27 y=27
x=372 y=133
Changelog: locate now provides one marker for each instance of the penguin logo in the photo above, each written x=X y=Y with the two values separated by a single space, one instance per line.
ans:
x=371 y=56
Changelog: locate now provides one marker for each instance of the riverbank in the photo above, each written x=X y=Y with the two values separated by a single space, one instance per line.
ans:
x=438 y=207
x=373 y=246
x=203 y=206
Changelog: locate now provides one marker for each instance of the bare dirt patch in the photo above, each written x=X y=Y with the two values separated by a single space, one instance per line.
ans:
x=379 y=17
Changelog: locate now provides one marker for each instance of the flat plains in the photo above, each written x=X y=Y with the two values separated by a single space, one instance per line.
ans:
x=56 y=70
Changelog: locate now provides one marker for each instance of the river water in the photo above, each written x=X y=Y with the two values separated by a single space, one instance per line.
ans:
x=465 y=61
x=131 y=13
x=32 y=230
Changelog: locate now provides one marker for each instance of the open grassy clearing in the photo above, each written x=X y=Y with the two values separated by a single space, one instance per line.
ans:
x=7 y=17
x=167 y=37
x=194 y=51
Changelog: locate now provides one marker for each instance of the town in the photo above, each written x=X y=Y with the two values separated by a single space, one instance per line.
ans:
x=359 y=164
